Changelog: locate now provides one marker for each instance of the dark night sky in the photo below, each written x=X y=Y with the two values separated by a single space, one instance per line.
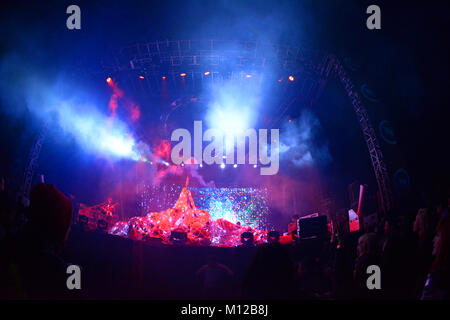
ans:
x=406 y=62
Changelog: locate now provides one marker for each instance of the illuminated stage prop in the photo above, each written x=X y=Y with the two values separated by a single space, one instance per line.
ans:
x=100 y=214
x=248 y=206
x=185 y=216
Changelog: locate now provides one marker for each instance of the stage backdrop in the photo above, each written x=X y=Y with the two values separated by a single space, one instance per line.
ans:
x=248 y=206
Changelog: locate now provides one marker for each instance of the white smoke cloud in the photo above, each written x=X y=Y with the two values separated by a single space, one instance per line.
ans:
x=297 y=141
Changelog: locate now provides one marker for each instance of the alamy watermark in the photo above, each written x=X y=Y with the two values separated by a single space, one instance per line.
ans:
x=74 y=279
x=214 y=152
x=74 y=20
x=374 y=280
x=374 y=20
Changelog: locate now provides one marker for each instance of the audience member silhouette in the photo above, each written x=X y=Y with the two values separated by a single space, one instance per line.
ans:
x=424 y=227
x=314 y=282
x=438 y=282
x=34 y=257
x=270 y=275
x=367 y=255
x=216 y=280
x=397 y=261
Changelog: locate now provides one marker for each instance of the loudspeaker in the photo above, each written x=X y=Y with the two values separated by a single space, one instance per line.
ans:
x=247 y=238
x=273 y=236
x=315 y=227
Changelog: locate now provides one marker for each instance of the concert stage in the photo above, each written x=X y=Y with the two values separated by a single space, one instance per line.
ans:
x=118 y=268
x=187 y=222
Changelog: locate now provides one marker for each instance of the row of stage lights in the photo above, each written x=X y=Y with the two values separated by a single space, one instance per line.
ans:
x=291 y=78
x=222 y=165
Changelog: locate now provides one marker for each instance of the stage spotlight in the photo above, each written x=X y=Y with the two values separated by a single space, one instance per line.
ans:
x=247 y=238
x=182 y=164
x=291 y=78
x=232 y=111
x=109 y=80
x=273 y=236
x=254 y=166
x=248 y=75
x=222 y=165
x=183 y=74
x=279 y=80
x=141 y=77
x=201 y=165
x=163 y=77
x=207 y=73
x=235 y=166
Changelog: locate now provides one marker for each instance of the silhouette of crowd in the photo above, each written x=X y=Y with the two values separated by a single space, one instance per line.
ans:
x=411 y=251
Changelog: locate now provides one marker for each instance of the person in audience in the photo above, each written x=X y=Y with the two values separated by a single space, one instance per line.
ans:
x=34 y=255
x=216 y=280
x=343 y=267
x=398 y=259
x=314 y=282
x=424 y=227
x=367 y=254
x=423 y=224
x=270 y=275
x=442 y=209
x=437 y=286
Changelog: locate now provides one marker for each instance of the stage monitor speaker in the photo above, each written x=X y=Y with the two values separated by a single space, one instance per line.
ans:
x=247 y=238
x=273 y=236
x=178 y=237
x=310 y=228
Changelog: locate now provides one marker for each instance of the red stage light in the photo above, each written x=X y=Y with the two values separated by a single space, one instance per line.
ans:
x=279 y=80
x=164 y=78
x=183 y=74
x=109 y=80
x=141 y=77
x=291 y=78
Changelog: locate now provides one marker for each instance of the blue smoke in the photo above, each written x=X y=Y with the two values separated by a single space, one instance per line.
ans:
x=65 y=105
x=297 y=141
